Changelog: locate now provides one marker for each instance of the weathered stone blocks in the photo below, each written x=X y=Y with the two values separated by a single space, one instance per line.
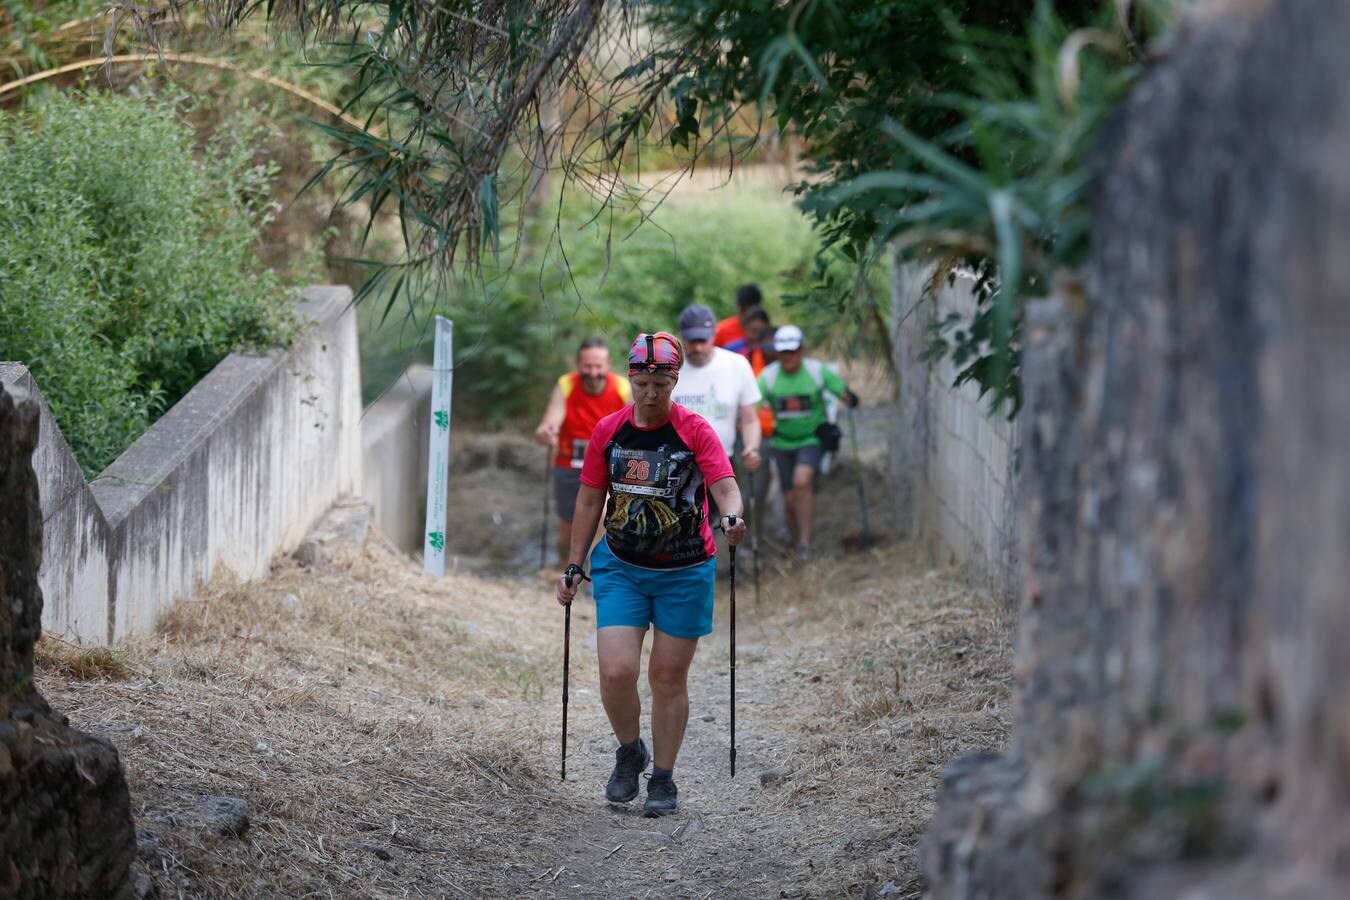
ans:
x=65 y=814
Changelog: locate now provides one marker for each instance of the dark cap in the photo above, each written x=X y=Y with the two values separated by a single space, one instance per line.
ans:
x=697 y=323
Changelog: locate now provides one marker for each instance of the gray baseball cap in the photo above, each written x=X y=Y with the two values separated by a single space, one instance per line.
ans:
x=697 y=323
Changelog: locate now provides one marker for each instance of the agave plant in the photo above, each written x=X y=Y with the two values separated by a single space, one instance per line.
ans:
x=1003 y=195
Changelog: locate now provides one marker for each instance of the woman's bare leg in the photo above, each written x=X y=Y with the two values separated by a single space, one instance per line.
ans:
x=619 y=649
x=667 y=672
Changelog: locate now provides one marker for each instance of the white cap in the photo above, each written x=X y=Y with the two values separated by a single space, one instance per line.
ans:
x=787 y=338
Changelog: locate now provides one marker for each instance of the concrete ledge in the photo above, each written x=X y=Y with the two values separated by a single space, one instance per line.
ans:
x=394 y=438
x=235 y=473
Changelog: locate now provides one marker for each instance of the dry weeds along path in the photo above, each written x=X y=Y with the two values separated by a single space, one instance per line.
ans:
x=397 y=736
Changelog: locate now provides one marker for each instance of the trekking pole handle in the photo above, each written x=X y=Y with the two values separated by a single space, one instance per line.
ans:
x=731 y=520
x=574 y=572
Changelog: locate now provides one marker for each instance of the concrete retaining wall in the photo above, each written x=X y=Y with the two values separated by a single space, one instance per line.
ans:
x=955 y=461
x=394 y=437
x=235 y=473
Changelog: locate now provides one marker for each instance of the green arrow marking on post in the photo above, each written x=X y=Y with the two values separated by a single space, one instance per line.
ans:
x=438 y=456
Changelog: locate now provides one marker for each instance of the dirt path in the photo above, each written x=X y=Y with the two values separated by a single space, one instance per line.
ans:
x=396 y=736
x=851 y=694
x=732 y=836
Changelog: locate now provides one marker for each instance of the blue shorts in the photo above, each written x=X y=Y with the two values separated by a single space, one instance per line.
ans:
x=677 y=601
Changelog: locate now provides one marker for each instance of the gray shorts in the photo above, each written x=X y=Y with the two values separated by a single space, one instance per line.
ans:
x=566 y=483
x=787 y=460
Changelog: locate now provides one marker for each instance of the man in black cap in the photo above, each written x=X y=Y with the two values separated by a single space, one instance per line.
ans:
x=719 y=385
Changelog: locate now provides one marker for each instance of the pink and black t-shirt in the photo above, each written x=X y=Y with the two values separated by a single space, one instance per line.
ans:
x=657 y=478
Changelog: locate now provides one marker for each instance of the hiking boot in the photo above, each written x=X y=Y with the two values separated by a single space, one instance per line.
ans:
x=628 y=766
x=662 y=798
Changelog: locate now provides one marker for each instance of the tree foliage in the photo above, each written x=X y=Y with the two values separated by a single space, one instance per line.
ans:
x=464 y=106
x=960 y=131
x=518 y=325
x=956 y=132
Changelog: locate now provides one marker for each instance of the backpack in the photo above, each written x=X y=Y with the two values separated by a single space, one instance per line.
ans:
x=827 y=433
x=814 y=367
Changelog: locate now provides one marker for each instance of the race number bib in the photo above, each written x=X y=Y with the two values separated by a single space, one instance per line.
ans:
x=794 y=406
x=642 y=472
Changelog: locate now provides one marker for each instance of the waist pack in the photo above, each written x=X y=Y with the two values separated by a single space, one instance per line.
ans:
x=829 y=436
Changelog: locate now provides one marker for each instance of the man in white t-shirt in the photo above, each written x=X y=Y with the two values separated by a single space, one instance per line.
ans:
x=718 y=385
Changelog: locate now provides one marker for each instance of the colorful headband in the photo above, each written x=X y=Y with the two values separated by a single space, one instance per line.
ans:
x=658 y=352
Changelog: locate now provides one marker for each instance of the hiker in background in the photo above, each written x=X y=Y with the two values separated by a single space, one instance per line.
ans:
x=731 y=331
x=656 y=565
x=795 y=387
x=758 y=331
x=579 y=400
x=759 y=343
x=720 y=386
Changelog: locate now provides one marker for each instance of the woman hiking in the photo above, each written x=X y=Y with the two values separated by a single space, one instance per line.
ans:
x=655 y=567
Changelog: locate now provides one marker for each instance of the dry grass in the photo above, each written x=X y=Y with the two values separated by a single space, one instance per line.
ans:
x=356 y=712
x=396 y=735
x=895 y=669
x=60 y=657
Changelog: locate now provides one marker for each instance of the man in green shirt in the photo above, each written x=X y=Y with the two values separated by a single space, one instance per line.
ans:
x=794 y=387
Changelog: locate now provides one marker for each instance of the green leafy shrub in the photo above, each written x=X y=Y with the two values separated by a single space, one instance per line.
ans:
x=127 y=260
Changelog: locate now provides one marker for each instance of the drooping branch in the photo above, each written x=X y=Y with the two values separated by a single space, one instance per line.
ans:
x=448 y=95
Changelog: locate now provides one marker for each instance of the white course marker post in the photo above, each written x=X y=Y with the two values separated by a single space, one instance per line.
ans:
x=438 y=457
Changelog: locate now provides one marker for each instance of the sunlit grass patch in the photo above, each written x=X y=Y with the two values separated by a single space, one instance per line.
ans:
x=60 y=657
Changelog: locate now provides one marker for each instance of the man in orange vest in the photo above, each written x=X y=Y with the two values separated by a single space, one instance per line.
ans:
x=579 y=400
x=731 y=331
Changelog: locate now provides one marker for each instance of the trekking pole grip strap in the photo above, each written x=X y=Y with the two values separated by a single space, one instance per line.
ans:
x=574 y=572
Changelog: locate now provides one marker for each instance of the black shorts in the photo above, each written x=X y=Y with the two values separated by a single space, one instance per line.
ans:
x=787 y=460
x=566 y=483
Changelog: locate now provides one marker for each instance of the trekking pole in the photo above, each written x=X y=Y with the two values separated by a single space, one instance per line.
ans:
x=756 y=514
x=543 y=526
x=732 y=519
x=865 y=538
x=573 y=571
x=567 y=646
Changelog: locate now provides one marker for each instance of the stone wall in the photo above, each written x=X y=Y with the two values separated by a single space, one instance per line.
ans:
x=953 y=459
x=65 y=813
x=235 y=473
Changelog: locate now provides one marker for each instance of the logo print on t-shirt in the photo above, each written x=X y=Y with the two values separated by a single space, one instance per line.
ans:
x=707 y=404
x=794 y=406
x=656 y=506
